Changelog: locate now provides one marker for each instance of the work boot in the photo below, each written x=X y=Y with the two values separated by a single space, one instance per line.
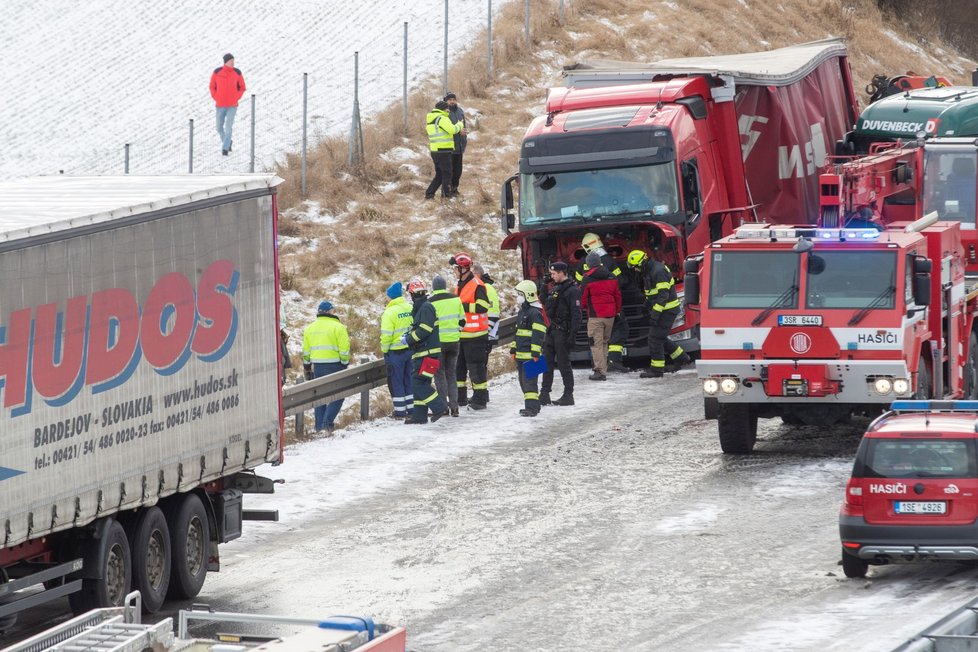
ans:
x=597 y=375
x=416 y=420
x=529 y=413
x=651 y=373
x=617 y=367
x=545 y=398
x=454 y=411
x=463 y=396
x=566 y=399
x=438 y=415
x=224 y=152
x=477 y=406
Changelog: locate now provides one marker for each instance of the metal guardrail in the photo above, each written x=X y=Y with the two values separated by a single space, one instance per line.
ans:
x=297 y=399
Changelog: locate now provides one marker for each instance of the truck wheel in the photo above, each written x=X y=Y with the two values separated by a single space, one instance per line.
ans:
x=109 y=557
x=853 y=566
x=151 y=558
x=924 y=384
x=738 y=429
x=190 y=535
x=971 y=369
x=791 y=420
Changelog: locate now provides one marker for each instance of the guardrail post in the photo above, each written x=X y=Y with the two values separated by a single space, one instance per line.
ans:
x=300 y=424
x=364 y=397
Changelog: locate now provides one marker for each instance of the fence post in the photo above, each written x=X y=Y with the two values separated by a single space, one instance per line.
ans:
x=445 y=69
x=560 y=12
x=489 y=40
x=364 y=396
x=405 y=78
x=305 y=106
x=190 y=164
x=126 y=166
x=252 y=166
x=355 y=150
x=526 y=21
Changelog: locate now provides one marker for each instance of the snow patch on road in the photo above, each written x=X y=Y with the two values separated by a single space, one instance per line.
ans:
x=701 y=518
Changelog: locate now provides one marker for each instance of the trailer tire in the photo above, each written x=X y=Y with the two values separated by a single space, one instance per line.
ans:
x=924 y=388
x=737 y=425
x=109 y=559
x=151 y=558
x=852 y=566
x=971 y=369
x=190 y=537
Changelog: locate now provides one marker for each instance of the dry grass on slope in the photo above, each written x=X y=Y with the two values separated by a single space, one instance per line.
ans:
x=380 y=229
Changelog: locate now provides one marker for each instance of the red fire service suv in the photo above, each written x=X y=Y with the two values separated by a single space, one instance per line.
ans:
x=913 y=494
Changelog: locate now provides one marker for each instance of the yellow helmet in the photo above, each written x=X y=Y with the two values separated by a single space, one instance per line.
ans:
x=636 y=257
x=590 y=242
x=528 y=289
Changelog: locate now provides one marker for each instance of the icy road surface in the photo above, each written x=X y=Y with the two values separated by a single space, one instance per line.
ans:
x=614 y=524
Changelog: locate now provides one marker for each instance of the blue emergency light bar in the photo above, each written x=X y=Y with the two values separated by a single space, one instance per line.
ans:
x=934 y=406
x=766 y=232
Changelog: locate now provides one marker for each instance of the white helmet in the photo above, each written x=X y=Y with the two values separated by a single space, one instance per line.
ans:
x=528 y=289
x=591 y=242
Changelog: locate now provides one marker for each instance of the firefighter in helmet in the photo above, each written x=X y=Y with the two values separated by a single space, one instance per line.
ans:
x=663 y=305
x=528 y=345
x=591 y=243
x=473 y=355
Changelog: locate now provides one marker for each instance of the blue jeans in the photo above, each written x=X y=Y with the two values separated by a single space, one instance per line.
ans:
x=225 y=120
x=326 y=414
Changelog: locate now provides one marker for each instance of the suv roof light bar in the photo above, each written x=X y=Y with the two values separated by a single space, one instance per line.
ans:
x=934 y=406
x=767 y=232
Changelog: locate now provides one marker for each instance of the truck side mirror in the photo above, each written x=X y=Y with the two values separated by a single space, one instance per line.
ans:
x=922 y=265
x=691 y=280
x=506 y=203
x=921 y=288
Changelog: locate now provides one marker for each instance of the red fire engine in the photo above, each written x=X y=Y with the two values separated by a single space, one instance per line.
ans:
x=814 y=324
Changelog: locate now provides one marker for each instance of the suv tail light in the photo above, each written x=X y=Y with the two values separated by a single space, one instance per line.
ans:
x=853 y=503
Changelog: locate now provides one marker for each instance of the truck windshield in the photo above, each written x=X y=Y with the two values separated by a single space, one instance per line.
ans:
x=753 y=279
x=950 y=183
x=580 y=196
x=851 y=279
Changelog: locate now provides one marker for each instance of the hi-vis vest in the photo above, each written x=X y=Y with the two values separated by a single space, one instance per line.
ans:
x=448 y=309
x=395 y=322
x=476 y=323
x=325 y=340
x=441 y=131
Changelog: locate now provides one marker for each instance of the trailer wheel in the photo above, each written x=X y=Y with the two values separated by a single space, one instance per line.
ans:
x=190 y=535
x=9 y=621
x=108 y=558
x=738 y=428
x=151 y=559
x=853 y=566
x=971 y=369
x=924 y=387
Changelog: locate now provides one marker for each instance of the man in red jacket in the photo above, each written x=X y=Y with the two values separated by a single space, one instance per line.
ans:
x=601 y=297
x=227 y=87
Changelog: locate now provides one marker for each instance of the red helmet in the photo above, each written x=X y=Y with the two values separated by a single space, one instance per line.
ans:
x=461 y=260
x=416 y=286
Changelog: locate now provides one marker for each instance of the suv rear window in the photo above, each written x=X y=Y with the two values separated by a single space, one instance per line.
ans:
x=916 y=458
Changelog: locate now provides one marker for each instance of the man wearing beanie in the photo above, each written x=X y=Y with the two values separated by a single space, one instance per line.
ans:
x=227 y=87
x=394 y=326
x=325 y=350
x=601 y=298
x=451 y=318
x=456 y=115
x=441 y=144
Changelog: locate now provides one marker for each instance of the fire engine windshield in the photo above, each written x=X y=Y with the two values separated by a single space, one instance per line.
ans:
x=753 y=279
x=599 y=195
x=950 y=183
x=846 y=279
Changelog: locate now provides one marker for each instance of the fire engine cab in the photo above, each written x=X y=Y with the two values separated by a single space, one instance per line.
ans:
x=813 y=325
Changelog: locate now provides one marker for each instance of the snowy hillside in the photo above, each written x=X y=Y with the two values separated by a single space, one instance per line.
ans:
x=81 y=79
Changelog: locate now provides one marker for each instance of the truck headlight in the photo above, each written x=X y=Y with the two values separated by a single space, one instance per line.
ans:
x=883 y=386
x=901 y=386
x=728 y=385
x=711 y=386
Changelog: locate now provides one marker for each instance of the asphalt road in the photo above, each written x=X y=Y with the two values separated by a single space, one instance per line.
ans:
x=617 y=524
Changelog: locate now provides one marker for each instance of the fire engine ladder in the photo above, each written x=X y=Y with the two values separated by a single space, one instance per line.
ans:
x=115 y=629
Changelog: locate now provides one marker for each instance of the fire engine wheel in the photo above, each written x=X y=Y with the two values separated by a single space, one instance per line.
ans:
x=190 y=536
x=738 y=428
x=924 y=386
x=971 y=369
x=151 y=546
x=108 y=558
x=853 y=566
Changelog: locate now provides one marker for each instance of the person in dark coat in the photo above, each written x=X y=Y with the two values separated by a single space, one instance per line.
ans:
x=563 y=309
x=424 y=341
x=662 y=302
x=456 y=115
x=601 y=298
x=528 y=345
